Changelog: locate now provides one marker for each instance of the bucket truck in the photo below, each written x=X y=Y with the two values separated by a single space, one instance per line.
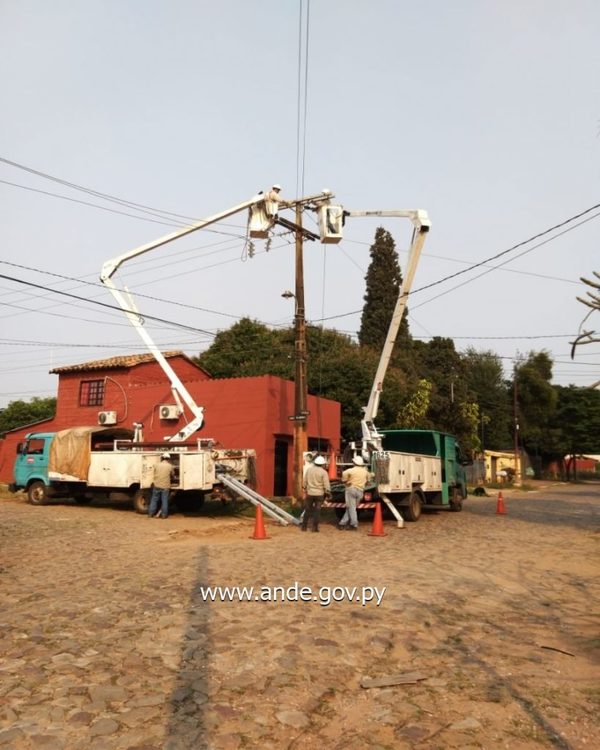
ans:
x=411 y=468
x=218 y=468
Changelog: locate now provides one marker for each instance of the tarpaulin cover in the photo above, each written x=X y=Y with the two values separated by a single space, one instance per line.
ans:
x=70 y=449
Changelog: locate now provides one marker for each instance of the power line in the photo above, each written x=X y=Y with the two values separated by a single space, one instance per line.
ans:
x=113 y=210
x=87 y=203
x=105 y=196
x=514 y=247
x=105 y=305
x=101 y=286
x=494 y=257
x=510 y=260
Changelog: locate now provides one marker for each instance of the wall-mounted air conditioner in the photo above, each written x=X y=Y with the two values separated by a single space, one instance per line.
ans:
x=107 y=417
x=169 y=411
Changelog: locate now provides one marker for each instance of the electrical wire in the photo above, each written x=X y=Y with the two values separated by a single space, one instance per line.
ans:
x=160 y=213
x=496 y=256
x=106 y=305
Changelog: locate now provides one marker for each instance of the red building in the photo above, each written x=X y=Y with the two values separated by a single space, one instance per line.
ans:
x=248 y=412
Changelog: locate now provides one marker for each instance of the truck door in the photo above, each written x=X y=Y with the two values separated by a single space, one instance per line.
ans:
x=32 y=461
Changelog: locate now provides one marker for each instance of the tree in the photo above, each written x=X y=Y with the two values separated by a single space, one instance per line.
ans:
x=439 y=363
x=486 y=385
x=249 y=348
x=21 y=413
x=383 y=282
x=593 y=302
x=575 y=425
x=337 y=369
x=536 y=401
x=412 y=414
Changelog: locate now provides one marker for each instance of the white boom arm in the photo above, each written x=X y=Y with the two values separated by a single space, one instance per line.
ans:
x=421 y=225
x=126 y=302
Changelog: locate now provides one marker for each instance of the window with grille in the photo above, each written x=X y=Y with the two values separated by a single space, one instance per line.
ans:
x=91 y=393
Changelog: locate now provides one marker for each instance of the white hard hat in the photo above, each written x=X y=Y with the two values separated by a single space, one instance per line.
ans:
x=166 y=455
x=319 y=460
x=358 y=461
x=276 y=187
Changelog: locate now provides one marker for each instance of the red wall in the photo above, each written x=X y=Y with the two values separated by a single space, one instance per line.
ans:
x=239 y=412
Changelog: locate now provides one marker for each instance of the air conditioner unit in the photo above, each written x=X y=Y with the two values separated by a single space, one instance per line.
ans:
x=107 y=417
x=169 y=411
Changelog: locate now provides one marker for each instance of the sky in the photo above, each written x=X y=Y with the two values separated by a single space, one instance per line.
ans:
x=484 y=113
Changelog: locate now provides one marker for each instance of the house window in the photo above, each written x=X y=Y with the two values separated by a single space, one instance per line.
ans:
x=91 y=393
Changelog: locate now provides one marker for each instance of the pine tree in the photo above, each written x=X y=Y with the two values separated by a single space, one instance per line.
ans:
x=383 y=281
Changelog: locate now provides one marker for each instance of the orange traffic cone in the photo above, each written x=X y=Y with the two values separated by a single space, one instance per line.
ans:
x=377 y=529
x=500 y=509
x=332 y=473
x=259 y=526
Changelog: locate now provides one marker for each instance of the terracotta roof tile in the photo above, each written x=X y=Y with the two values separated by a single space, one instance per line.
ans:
x=124 y=362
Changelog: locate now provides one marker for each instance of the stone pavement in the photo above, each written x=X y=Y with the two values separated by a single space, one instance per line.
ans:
x=107 y=644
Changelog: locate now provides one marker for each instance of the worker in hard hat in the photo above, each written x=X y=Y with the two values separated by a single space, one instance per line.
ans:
x=316 y=488
x=273 y=200
x=355 y=480
x=161 y=487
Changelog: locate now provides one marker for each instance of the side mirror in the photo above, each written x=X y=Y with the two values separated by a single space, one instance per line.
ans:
x=20 y=448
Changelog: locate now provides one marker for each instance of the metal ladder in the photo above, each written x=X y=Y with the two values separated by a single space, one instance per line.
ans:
x=280 y=515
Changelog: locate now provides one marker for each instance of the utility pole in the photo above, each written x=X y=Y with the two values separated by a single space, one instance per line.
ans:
x=517 y=479
x=300 y=384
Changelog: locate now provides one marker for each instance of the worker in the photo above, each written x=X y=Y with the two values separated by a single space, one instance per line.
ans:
x=316 y=489
x=355 y=480
x=161 y=487
x=272 y=200
x=274 y=194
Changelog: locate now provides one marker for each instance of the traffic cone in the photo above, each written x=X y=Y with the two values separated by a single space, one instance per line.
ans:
x=500 y=509
x=259 y=525
x=332 y=473
x=377 y=528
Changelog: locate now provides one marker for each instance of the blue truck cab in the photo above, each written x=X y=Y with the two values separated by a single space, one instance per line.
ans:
x=31 y=467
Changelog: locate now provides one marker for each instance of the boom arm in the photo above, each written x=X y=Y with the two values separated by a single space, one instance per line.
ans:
x=126 y=302
x=421 y=225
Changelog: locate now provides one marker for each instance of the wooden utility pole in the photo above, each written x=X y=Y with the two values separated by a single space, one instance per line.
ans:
x=517 y=479
x=300 y=390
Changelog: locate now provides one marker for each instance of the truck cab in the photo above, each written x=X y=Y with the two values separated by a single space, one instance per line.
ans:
x=31 y=463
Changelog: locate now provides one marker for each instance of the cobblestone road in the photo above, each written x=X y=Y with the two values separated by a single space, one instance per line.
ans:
x=106 y=642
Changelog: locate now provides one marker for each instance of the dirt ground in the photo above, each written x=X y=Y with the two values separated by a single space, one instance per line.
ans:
x=106 y=641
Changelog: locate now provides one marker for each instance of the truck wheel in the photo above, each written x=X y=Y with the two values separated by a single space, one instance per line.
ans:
x=37 y=493
x=455 y=500
x=141 y=503
x=412 y=511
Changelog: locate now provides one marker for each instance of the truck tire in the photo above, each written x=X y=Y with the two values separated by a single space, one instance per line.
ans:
x=412 y=511
x=455 y=500
x=37 y=493
x=141 y=501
